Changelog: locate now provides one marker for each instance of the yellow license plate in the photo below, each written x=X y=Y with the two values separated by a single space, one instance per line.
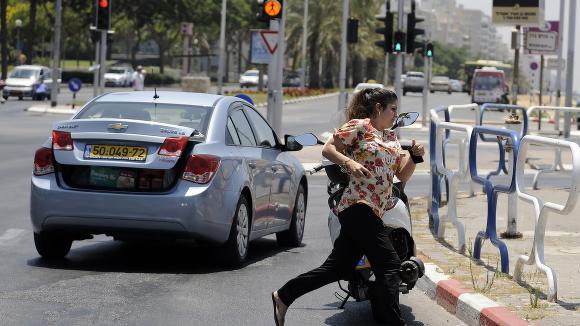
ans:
x=116 y=152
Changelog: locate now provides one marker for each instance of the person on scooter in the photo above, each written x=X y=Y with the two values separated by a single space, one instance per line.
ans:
x=370 y=153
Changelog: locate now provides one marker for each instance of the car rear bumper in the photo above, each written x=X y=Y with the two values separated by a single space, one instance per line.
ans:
x=187 y=211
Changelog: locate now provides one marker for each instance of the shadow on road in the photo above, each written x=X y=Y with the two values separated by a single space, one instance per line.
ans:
x=360 y=313
x=178 y=257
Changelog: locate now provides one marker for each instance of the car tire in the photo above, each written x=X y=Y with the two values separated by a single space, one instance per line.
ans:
x=293 y=236
x=236 y=248
x=52 y=245
x=404 y=92
x=5 y=97
x=20 y=98
x=448 y=92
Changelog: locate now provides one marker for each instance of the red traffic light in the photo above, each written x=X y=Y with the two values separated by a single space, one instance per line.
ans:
x=103 y=3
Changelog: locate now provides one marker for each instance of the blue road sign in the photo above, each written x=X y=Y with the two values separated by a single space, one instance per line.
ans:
x=246 y=98
x=74 y=84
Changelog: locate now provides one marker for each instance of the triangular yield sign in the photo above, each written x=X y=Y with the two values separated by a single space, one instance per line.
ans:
x=270 y=39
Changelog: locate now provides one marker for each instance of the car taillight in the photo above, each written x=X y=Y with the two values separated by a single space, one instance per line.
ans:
x=43 y=163
x=62 y=141
x=173 y=146
x=200 y=168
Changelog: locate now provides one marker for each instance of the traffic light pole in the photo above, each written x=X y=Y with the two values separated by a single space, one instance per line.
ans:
x=342 y=75
x=222 y=45
x=56 y=54
x=275 y=73
x=386 y=74
x=103 y=61
x=399 y=60
x=426 y=72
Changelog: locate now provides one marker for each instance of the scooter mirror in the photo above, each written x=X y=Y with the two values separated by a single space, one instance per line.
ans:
x=405 y=119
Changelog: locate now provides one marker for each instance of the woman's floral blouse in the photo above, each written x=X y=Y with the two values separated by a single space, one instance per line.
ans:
x=380 y=153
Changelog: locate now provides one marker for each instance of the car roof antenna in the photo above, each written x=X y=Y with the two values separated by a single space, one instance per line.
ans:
x=155 y=96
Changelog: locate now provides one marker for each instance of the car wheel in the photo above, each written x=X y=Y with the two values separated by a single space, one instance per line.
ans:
x=5 y=97
x=404 y=92
x=448 y=92
x=51 y=245
x=20 y=98
x=293 y=236
x=236 y=248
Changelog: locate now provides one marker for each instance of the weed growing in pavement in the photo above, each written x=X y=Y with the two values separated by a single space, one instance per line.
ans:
x=481 y=288
x=534 y=288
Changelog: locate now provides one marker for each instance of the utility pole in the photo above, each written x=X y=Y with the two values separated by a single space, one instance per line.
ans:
x=516 y=66
x=103 y=63
x=221 y=64
x=342 y=75
x=399 y=56
x=570 y=65
x=56 y=54
x=304 y=37
x=559 y=71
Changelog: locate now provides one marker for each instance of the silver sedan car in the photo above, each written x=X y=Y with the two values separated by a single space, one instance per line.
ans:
x=176 y=164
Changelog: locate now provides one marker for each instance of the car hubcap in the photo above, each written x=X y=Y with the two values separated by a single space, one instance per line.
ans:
x=242 y=230
x=300 y=215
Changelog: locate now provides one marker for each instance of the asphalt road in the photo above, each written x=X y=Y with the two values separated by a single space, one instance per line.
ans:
x=105 y=282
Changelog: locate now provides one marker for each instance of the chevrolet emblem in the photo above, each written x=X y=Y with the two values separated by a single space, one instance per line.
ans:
x=118 y=126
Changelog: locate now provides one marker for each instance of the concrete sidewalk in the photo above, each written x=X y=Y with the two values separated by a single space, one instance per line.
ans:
x=562 y=246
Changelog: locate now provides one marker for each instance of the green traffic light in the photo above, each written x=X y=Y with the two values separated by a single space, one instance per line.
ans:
x=429 y=53
x=398 y=47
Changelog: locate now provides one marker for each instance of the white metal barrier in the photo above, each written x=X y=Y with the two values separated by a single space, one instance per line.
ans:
x=557 y=164
x=542 y=208
x=465 y=107
x=453 y=176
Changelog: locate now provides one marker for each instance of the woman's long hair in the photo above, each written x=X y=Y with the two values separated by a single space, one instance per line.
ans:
x=363 y=103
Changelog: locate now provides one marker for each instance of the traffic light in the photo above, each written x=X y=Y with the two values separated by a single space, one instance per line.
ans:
x=387 y=32
x=352 y=31
x=272 y=9
x=412 y=30
x=429 y=50
x=103 y=14
x=399 y=42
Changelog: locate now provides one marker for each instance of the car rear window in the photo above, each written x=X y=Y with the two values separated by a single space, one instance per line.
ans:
x=182 y=115
x=23 y=73
x=414 y=74
x=440 y=79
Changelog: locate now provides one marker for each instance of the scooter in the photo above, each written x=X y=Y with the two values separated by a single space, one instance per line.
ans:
x=361 y=284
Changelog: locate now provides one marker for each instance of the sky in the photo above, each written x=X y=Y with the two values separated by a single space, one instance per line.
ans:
x=552 y=12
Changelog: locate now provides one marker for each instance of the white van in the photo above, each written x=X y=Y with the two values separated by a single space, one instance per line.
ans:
x=488 y=86
x=23 y=81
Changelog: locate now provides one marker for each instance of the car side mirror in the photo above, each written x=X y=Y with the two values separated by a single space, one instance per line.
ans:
x=296 y=143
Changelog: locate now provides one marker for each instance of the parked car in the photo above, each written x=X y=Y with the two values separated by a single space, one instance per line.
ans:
x=119 y=76
x=440 y=84
x=23 y=80
x=173 y=164
x=250 y=78
x=291 y=79
x=360 y=86
x=456 y=85
x=414 y=82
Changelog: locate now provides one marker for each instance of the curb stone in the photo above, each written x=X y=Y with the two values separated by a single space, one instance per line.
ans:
x=472 y=308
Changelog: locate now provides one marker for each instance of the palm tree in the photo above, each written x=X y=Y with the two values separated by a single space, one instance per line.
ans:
x=324 y=36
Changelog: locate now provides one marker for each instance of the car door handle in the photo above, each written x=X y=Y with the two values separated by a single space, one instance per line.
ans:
x=252 y=165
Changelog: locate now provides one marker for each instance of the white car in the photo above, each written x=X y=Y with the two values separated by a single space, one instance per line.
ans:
x=251 y=77
x=118 y=76
x=414 y=82
x=440 y=84
x=23 y=81
x=360 y=86
x=456 y=85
